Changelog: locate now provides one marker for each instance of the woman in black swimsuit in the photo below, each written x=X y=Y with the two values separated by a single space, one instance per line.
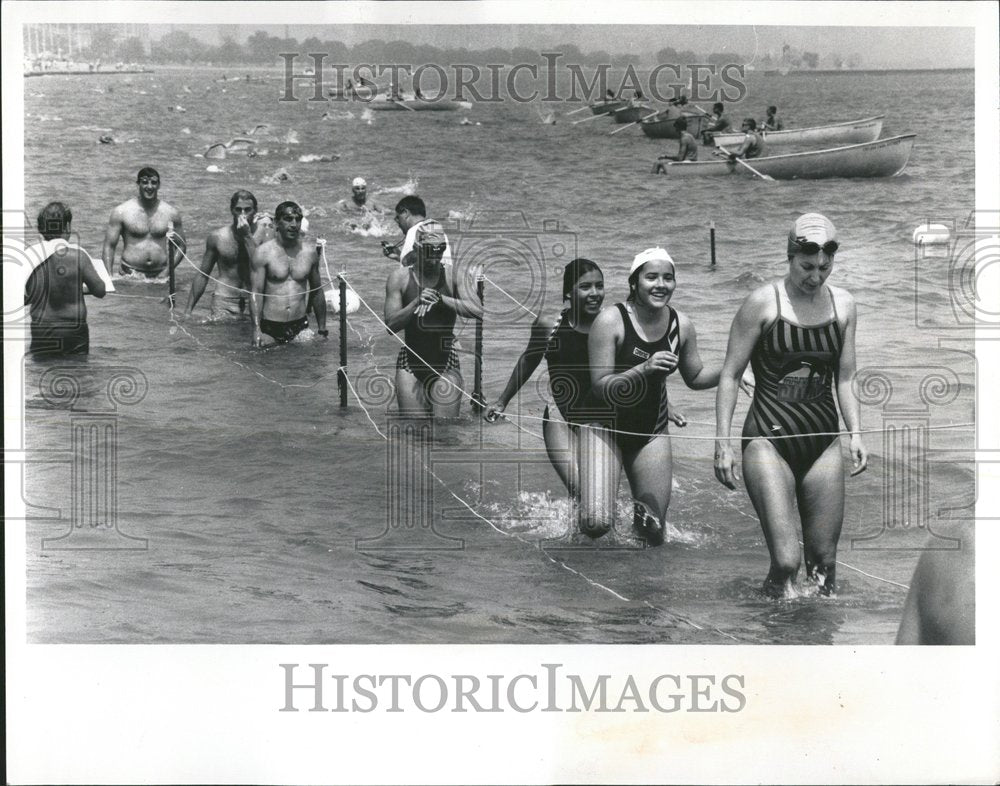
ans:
x=633 y=348
x=799 y=336
x=563 y=345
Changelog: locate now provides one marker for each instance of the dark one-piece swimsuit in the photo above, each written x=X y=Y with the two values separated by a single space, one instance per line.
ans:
x=569 y=372
x=429 y=338
x=795 y=367
x=642 y=408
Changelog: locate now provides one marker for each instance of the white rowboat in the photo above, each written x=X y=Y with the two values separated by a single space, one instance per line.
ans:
x=850 y=132
x=882 y=158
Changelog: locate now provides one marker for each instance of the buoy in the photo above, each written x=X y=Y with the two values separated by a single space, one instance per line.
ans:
x=928 y=234
x=213 y=169
x=333 y=300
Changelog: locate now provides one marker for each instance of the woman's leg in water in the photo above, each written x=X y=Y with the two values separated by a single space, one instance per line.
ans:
x=446 y=394
x=771 y=485
x=410 y=396
x=562 y=443
x=600 y=472
x=821 y=504
x=650 y=474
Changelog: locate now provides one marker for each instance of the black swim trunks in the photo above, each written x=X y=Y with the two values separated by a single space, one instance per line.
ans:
x=64 y=339
x=283 y=332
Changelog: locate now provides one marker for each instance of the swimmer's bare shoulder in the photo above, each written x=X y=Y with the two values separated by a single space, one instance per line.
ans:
x=941 y=604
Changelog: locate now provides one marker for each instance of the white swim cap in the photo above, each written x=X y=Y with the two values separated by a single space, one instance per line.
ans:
x=811 y=228
x=656 y=254
x=358 y=181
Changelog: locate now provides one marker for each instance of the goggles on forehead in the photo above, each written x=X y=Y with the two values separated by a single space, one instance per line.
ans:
x=829 y=247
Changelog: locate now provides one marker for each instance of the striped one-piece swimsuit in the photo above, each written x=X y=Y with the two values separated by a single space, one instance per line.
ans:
x=795 y=367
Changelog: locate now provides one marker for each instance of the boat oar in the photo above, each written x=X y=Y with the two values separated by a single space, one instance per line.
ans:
x=739 y=160
x=592 y=117
x=575 y=111
x=399 y=102
x=635 y=122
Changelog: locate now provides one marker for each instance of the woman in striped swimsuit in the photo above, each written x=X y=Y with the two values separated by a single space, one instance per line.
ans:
x=798 y=335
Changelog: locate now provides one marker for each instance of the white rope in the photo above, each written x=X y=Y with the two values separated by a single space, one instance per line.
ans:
x=510 y=296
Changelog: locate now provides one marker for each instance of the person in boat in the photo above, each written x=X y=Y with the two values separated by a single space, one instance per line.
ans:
x=146 y=224
x=633 y=348
x=717 y=124
x=798 y=334
x=687 y=145
x=423 y=300
x=231 y=247
x=772 y=122
x=411 y=213
x=54 y=291
x=285 y=282
x=752 y=145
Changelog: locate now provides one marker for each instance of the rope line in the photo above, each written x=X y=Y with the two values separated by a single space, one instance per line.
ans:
x=509 y=296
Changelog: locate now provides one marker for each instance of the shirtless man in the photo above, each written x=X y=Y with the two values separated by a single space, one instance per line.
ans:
x=54 y=290
x=359 y=206
x=423 y=301
x=284 y=281
x=146 y=224
x=231 y=247
x=687 y=149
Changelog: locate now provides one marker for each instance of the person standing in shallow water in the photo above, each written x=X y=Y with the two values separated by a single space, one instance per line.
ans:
x=54 y=290
x=633 y=348
x=146 y=224
x=562 y=343
x=798 y=334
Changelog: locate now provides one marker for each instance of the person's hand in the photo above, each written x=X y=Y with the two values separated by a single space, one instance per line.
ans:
x=748 y=382
x=675 y=417
x=242 y=228
x=323 y=333
x=726 y=471
x=859 y=453
x=660 y=361
x=494 y=411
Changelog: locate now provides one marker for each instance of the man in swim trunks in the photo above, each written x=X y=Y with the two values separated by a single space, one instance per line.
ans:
x=231 y=247
x=423 y=300
x=146 y=224
x=54 y=290
x=410 y=214
x=687 y=149
x=285 y=282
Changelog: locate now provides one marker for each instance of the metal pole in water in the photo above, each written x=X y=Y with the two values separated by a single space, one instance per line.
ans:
x=478 y=402
x=342 y=371
x=711 y=237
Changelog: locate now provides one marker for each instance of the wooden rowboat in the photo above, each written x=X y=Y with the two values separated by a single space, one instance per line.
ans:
x=662 y=126
x=607 y=107
x=850 y=132
x=882 y=158
x=631 y=113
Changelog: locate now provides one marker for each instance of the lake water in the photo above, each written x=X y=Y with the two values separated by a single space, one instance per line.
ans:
x=252 y=487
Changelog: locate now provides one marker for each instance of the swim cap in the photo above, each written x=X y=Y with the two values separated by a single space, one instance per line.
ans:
x=650 y=255
x=358 y=181
x=430 y=233
x=810 y=228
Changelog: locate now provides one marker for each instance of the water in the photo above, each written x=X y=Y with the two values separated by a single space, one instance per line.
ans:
x=252 y=486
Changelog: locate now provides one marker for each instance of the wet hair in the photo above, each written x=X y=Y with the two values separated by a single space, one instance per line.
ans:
x=147 y=171
x=285 y=207
x=717 y=106
x=751 y=122
x=771 y=110
x=54 y=220
x=412 y=204
x=681 y=124
x=574 y=271
x=242 y=194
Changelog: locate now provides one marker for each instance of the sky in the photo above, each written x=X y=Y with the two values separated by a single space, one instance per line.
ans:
x=878 y=47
